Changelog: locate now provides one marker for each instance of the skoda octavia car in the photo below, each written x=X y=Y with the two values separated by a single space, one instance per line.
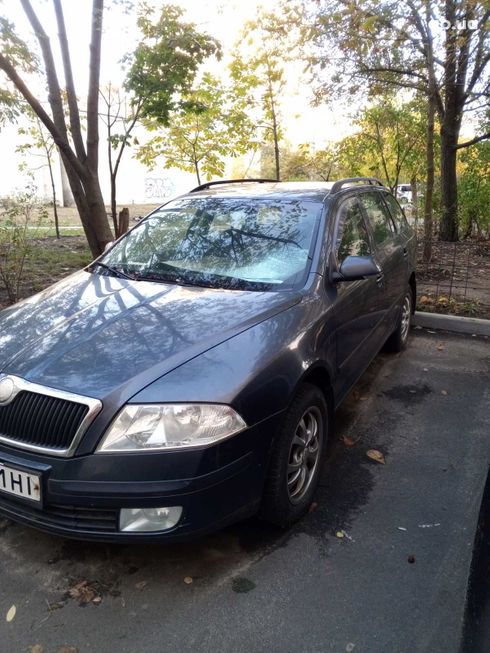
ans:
x=188 y=377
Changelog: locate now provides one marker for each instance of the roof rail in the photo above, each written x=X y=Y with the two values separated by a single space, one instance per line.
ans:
x=230 y=181
x=338 y=185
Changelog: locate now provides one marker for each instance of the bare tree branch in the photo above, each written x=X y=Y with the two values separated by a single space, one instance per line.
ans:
x=93 y=86
x=54 y=89
x=75 y=126
x=473 y=141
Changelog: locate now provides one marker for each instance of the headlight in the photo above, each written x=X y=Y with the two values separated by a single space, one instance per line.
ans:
x=151 y=427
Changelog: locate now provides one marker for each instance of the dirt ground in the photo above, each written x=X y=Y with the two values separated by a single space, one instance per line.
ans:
x=69 y=216
x=456 y=280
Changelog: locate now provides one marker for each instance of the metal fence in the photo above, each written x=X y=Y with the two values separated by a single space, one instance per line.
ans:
x=456 y=279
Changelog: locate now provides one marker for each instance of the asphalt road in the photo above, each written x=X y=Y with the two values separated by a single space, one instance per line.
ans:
x=395 y=581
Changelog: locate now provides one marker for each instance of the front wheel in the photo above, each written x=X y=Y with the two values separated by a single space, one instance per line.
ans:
x=398 y=339
x=296 y=458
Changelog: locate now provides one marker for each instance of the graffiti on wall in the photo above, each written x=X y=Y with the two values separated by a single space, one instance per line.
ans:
x=159 y=187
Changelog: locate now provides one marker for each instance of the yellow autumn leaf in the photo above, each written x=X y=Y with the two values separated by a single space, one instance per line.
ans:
x=11 y=613
x=376 y=455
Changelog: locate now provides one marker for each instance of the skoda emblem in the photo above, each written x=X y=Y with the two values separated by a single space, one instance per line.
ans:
x=7 y=388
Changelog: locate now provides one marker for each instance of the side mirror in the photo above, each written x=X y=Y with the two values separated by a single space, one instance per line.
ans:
x=108 y=245
x=354 y=268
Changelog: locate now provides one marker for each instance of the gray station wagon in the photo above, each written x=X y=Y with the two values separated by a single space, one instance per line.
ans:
x=188 y=377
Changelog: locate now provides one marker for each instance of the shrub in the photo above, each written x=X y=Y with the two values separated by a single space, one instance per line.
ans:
x=20 y=216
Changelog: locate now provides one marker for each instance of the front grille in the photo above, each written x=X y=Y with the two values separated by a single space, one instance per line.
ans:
x=40 y=420
x=74 y=518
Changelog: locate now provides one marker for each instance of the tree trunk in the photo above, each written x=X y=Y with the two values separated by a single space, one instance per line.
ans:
x=469 y=227
x=448 y=228
x=114 y=206
x=53 y=193
x=67 y=195
x=196 y=168
x=92 y=211
x=415 y=199
x=276 y=152
x=431 y=110
x=81 y=169
x=123 y=222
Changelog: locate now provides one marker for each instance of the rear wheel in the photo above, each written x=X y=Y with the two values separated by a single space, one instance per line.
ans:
x=398 y=339
x=296 y=458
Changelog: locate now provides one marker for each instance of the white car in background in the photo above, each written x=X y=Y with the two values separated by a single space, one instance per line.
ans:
x=404 y=193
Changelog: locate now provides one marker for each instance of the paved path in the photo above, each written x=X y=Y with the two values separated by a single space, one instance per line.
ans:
x=258 y=590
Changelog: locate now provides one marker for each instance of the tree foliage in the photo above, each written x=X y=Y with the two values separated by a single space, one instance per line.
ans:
x=258 y=69
x=441 y=50
x=164 y=65
x=390 y=142
x=474 y=190
x=209 y=126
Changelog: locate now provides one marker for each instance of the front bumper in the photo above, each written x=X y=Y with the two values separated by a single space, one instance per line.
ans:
x=82 y=496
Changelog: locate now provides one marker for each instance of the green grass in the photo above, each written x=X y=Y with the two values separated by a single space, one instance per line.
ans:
x=50 y=232
x=49 y=260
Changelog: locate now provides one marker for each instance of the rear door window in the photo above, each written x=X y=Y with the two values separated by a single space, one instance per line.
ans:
x=382 y=225
x=396 y=212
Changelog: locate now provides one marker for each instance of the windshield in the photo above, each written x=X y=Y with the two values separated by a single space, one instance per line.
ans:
x=220 y=242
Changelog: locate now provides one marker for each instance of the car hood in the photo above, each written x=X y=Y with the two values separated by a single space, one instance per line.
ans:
x=94 y=334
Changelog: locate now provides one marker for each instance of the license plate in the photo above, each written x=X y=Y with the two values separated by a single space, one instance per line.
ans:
x=22 y=484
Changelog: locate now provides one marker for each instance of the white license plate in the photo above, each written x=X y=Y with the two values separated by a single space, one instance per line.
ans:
x=22 y=484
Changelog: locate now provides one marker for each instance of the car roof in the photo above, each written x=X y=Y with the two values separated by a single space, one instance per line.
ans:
x=304 y=190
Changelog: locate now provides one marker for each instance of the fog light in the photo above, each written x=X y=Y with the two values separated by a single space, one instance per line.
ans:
x=147 y=520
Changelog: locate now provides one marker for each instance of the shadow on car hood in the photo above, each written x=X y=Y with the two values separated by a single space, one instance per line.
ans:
x=91 y=334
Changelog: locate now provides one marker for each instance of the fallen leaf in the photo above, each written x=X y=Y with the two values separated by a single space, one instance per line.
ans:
x=424 y=299
x=376 y=455
x=426 y=369
x=363 y=398
x=141 y=585
x=348 y=441
x=443 y=392
x=83 y=592
x=97 y=600
x=401 y=528
x=339 y=534
x=187 y=580
x=440 y=347
x=67 y=649
x=11 y=613
x=37 y=648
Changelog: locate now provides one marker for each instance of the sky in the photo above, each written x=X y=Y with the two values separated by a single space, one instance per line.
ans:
x=221 y=18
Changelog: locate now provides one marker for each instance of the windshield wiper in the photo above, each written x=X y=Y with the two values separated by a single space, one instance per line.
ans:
x=115 y=271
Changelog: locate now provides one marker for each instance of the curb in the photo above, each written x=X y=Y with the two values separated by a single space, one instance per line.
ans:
x=471 y=325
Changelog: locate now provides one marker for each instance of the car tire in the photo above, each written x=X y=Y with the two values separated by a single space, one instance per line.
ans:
x=399 y=338
x=296 y=458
